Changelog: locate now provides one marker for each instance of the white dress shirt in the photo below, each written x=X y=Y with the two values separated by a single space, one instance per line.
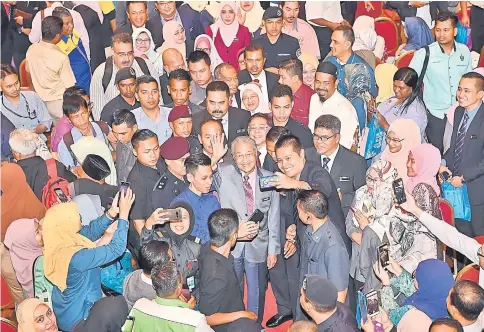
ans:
x=263 y=82
x=331 y=159
x=328 y=10
x=225 y=124
x=262 y=155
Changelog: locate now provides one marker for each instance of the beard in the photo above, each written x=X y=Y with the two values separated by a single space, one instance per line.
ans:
x=322 y=98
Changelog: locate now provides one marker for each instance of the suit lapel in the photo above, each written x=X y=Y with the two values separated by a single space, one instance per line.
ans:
x=240 y=189
x=336 y=167
x=474 y=127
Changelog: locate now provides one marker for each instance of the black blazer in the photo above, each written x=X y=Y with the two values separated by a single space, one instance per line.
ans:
x=125 y=28
x=272 y=79
x=472 y=163
x=7 y=31
x=348 y=172
x=238 y=122
x=403 y=9
x=301 y=131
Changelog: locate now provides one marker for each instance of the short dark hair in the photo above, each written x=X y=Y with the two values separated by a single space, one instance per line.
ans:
x=7 y=69
x=197 y=56
x=73 y=104
x=75 y=91
x=218 y=70
x=444 y=16
x=254 y=47
x=294 y=67
x=130 y=2
x=468 y=298
x=328 y=121
x=348 y=33
x=221 y=224
x=259 y=116
x=153 y=253
x=61 y=12
x=218 y=86
x=478 y=77
x=279 y=91
x=121 y=116
x=51 y=26
x=145 y=79
x=449 y=322
x=180 y=75
x=165 y=279
x=282 y=3
x=196 y=160
x=276 y=132
x=121 y=38
x=289 y=140
x=314 y=202
x=142 y=135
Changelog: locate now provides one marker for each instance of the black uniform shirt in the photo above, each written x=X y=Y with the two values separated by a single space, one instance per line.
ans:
x=116 y=103
x=165 y=189
x=285 y=48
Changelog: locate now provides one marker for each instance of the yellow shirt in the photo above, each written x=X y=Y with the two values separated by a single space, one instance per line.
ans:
x=50 y=70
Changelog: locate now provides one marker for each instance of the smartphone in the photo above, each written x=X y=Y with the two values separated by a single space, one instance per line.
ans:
x=266 y=182
x=60 y=195
x=172 y=214
x=257 y=216
x=186 y=294
x=372 y=303
x=445 y=176
x=124 y=186
x=383 y=254
x=399 y=191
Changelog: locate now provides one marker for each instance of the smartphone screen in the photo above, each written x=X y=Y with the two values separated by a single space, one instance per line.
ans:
x=383 y=254
x=372 y=303
x=124 y=186
x=60 y=194
x=399 y=191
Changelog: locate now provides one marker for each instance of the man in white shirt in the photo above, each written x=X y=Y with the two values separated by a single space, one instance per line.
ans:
x=328 y=100
x=259 y=125
x=137 y=13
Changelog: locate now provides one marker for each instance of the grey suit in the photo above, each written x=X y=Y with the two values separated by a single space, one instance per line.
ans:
x=252 y=256
x=348 y=172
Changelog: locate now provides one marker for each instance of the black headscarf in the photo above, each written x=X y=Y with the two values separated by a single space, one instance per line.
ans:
x=175 y=238
x=106 y=315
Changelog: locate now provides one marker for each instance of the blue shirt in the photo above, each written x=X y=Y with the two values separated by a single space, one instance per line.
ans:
x=161 y=127
x=202 y=206
x=443 y=74
x=471 y=114
x=354 y=58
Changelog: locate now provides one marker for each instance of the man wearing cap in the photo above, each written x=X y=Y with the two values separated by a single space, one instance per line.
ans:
x=125 y=82
x=181 y=124
x=328 y=100
x=179 y=90
x=319 y=300
x=172 y=182
x=277 y=45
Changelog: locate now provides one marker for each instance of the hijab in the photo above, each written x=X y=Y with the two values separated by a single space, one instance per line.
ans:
x=176 y=238
x=427 y=160
x=18 y=199
x=365 y=34
x=169 y=29
x=25 y=314
x=384 y=73
x=263 y=107
x=24 y=249
x=150 y=53
x=418 y=34
x=61 y=241
x=359 y=78
x=107 y=315
x=409 y=131
x=431 y=296
x=227 y=32
x=215 y=58
x=253 y=18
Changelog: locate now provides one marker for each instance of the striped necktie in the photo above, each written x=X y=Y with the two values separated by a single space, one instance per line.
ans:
x=459 y=144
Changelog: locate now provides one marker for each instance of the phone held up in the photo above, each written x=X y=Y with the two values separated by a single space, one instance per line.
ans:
x=267 y=182
x=172 y=214
x=123 y=186
x=383 y=254
x=399 y=191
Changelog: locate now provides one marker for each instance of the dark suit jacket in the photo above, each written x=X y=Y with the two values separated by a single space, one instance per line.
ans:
x=238 y=122
x=191 y=106
x=269 y=164
x=472 y=163
x=7 y=31
x=164 y=81
x=301 y=131
x=403 y=10
x=126 y=28
x=272 y=79
x=190 y=20
x=348 y=172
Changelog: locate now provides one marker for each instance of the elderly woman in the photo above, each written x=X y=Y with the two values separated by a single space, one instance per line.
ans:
x=174 y=37
x=227 y=34
x=310 y=64
x=71 y=259
x=144 y=47
x=252 y=99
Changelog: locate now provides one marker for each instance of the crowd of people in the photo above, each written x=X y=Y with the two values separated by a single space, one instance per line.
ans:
x=161 y=159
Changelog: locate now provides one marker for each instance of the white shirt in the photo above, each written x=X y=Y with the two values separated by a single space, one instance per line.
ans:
x=225 y=124
x=263 y=82
x=262 y=155
x=340 y=107
x=234 y=102
x=331 y=159
x=328 y=10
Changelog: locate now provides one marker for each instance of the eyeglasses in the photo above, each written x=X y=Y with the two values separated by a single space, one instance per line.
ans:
x=142 y=41
x=371 y=180
x=323 y=139
x=258 y=128
x=125 y=54
x=253 y=97
x=389 y=139
x=250 y=155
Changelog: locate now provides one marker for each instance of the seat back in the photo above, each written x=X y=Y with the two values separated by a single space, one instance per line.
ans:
x=469 y=272
x=387 y=28
x=404 y=59
x=376 y=12
x=7 y=325
x=5 y=295
x=447 y=211
x=24 y=76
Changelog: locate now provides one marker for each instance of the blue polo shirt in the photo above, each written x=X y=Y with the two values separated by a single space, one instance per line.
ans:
x=202 y=207
x=443 y=74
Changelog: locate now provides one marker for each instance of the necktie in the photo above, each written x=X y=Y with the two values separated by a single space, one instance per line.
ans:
x=249 y=197
x=459 y=144
x=258 y=160
x=326 y=161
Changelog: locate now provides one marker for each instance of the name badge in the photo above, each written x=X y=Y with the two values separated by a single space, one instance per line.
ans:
x=344 y=178
x=242 y=130
x=283 y=54
x=473 y=136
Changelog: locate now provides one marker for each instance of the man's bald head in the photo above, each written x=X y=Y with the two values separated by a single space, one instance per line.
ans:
x=172 y=60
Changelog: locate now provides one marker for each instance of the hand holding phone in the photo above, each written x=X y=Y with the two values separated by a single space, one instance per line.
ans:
x=399 y=191
x=372 y=303
x=123 y=186
x=383 y=254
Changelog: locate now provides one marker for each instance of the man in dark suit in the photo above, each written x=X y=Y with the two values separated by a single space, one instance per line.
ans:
x=7 y=23
x=281 y=105
x=465 y=157
x=225 y=72
x=254 y=61
x=172 y=60
x=167 y=11
x=348 y=169
x=137 y=13
x=234 y=120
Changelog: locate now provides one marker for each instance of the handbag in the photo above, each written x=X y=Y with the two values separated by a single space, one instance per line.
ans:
x=459 y=199
x=372 y=140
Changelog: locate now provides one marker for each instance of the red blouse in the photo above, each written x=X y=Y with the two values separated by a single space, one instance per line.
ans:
x=229 y=54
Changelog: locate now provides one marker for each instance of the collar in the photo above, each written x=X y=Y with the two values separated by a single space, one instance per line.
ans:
x=224 y=119
x=170 y=302
x=442 y=50
x=262 y=150
x=251 y=175
x=49 y=45
x=293 y=27
x=145 y=279
x=135 y=28
x=301 y=90
x=333 y=155
x=350 y=59
x=330 y=321
x=262 y=76
x=474 y=111
x=318 y=235
x=226 y=262
x=175 y=18
x=156 y=170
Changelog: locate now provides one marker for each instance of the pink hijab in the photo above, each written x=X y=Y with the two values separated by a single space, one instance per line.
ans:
x=24 y=249
x=227 y=32
x=409 y=131
x=169 y=29
x=427 y=160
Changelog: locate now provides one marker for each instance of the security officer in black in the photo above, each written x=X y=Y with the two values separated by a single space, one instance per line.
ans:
x=180 y=121
x=277 y=46
x=172 y=182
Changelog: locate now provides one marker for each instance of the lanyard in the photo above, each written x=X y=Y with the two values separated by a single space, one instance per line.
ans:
x=31 y=115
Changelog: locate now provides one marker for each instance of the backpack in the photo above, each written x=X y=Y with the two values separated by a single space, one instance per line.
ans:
x=108 y=70
x=49 y=196
x=42 y=286
x=69 y=140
